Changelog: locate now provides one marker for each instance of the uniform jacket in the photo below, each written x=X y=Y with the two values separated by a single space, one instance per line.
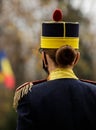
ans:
x=65 y=103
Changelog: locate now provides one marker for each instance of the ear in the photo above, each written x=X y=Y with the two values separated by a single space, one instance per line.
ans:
x=77 y=58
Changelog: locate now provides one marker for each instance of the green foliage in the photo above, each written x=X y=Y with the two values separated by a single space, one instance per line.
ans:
x=11 y=121
x=7 y=113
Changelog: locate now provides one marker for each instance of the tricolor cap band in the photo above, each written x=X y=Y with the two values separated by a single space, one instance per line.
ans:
x=58 y=33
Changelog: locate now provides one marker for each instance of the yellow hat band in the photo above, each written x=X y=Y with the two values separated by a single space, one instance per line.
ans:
x=57 y=42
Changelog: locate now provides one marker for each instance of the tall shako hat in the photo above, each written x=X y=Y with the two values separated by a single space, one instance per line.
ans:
x=58 y=33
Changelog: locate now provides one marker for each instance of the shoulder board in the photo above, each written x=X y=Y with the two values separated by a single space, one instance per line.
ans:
x=23 y=90
x=88 y=81
x=20 y=92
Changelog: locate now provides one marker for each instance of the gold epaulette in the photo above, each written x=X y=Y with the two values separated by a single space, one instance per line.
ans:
x=20 y=92
x=23 y=90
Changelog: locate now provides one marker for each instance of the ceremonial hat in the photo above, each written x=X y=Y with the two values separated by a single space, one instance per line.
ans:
x=57 y=33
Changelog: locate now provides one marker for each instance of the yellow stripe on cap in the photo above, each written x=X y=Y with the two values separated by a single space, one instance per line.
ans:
x=57 y=42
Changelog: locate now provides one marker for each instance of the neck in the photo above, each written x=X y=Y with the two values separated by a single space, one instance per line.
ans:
x=51 y=64
x=51 y=67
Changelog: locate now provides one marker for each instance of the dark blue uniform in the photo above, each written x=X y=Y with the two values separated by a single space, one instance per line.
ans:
x=67 y=104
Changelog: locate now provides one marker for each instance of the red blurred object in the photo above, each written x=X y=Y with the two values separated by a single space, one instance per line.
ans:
x=9 y=81
x=57 y=15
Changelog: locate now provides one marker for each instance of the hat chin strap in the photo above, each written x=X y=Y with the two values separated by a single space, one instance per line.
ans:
x=45 y=64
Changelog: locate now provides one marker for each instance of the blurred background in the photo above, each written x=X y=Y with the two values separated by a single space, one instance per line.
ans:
x=20 y=31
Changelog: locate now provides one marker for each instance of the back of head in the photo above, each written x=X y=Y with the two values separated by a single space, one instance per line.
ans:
x=65 y=56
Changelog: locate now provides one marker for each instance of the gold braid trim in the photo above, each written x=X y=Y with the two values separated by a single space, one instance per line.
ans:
x=20 y=92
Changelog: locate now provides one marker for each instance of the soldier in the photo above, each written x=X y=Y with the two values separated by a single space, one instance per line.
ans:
x=61 y=101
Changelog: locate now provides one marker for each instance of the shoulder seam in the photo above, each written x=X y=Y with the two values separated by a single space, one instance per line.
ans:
x=88 y=81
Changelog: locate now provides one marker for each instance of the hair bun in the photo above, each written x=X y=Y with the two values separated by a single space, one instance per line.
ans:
x=65 y=56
